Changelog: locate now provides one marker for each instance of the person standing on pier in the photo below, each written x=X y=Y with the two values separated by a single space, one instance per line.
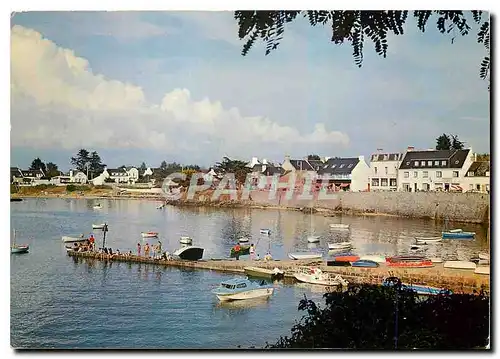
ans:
x=91 y=242
x=252 y=252
x=146 y=250
x=158 y=247
x=139 y=249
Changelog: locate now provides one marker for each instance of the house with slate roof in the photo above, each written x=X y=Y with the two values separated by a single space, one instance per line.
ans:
x=384 y=171
x=477 y=178
x=347 y=174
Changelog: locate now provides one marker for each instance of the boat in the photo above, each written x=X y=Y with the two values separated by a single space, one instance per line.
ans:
x=339 y=245
x=315 y=275
x=238 y=250
x=409 y=262
x=305 y=255
x=416 y=247
x=272 y=274
x=190 y=253
x=243 y=240
x=339 y=226
x=240 y=289
x=458 y=230
x=98 y=226
x=265 y=231
x=16 y=199
x=458 y=235
x=346 y=257
x=334 y=263
x=186 y=240
x=436 y=260
x=404 y=258
x=149 y=234
x=18 y=248
x=97 y=206
x=373 y=258
x=460 y=265
x=161 y=206
x=67 y=239
x=427 y=240
x=363 y=263
x=420 y=288
x=482 y=270
x=484 y=256
x=313 y=239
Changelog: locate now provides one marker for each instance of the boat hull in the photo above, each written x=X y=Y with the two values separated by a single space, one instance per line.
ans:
x=341 y=245
x=97 y=226
x=458 y=235
x=348 y=258
x=365 y=264
x=66 y=239
x=190 y=253
x=339 y=226
x=428 y=240
x=460 y=265
x=249 y=294
x=263 y=273
x=19 y=249
x=313 y=239
x=373 y=258
x=411 y=264
x=298 y=256
x=243 y=240
x=482 y=270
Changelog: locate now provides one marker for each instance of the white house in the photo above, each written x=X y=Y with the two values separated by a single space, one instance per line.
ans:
x=434 y=170
x=477 y=178
x=147 y=172
x=302 y=167
x=121 y=175
x=348 y=174
x=133 y=174
x=384 y=171
x=210 y=175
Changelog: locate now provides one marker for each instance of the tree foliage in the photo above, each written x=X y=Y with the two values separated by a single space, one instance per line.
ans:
x=314 y=157
x=483 y=157
x=365 y=317
x=85 y=160
x=237 y=167
x=38 y=164
x=354 y=27
x=447 y=142
x=52 y=170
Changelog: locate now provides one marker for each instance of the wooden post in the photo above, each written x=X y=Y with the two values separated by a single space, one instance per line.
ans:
x=104 y=229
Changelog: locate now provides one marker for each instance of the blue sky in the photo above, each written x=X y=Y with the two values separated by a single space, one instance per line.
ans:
x=153 y=86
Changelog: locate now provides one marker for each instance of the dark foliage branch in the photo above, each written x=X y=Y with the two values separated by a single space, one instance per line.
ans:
x=355 y=27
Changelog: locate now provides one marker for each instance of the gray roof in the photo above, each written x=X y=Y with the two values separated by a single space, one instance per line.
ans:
x=336 y=166
x=302 y=165
x=316 y=164
x=386 y=157
x=32 y=173
x=434 y=159
x=479 y=168
x=271 y=170
x=115 y=170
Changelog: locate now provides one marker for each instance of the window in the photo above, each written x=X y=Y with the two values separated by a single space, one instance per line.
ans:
x=416 y=163
x=439 y=174
x=383 y=182
x=457 y=162
x=487 y=173
x=443 y=163
x=455 y=173
x=436 y=163
x=407 y=174
x=425 y=174
x=349 y=166
x=415 y=174
x=478 y=187
x=375 y=168
x=429 y=163
x=375 y=182
x=241 y=285
x=470 y=174
x=408 y=163
x=394 y=182
x=386 y=170
x=341 y=166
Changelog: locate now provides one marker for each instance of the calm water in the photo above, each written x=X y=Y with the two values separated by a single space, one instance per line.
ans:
x=60 y=302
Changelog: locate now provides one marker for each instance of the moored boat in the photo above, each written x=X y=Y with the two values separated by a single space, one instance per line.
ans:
x=243 y=240
x=420 y=288
x=458 y=235
x=427 y=240
x=460 y=265
x=190 y=253
x=97 y=206
x=98 y=226
x=149 y=234
x=265 y=231
x=422 y=263
x=339 y=226
x=363 y=263
x=67 y=239
x=305 y=255
x=339 y=245
x=313 y=239
x=241 y=289
x=482 y=270
x=346 y=257
x=19 y=248
x=275 y=273
x=186 y=240
x=238 y=250
x=373 y=257
x=315 y=275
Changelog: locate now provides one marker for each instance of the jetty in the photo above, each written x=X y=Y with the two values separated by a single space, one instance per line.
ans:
x=459 y=281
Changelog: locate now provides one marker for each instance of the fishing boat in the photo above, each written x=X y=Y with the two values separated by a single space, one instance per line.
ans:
x=313 y=239
x=339 y=226
x=482 y=270
x=243 y=240
x=314 y=275
x=67 y=239
x=458 y=235
x=339 y=245
x=420 y=289
x=409 y=262
x=305 y=255
x=97 y=206
x=238 y=250
x=149 y=234
x=241 y=289
x=265 y=231
x=190 y=253
x=427 y=240
x=373 y=258
x=18 y=248
x=460 y=265
x=404 y=258
x=345 y=257
x=272 y=274
x=98 y=226
x=186 y=240
x=363 y=263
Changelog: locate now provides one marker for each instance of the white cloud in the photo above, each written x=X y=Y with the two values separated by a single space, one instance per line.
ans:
x=57 y=101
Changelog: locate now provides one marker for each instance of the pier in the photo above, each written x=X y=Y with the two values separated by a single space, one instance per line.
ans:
x=459 y=281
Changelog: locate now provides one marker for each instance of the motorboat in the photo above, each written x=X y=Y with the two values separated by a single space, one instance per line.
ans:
x=18 y=248
x=339 y=245
x=97 y=206
x=427 y=240
x=363 y=263
x=241 y=289
x=186 y=240
x=67 y=239
x=458 y=235
x=243 y=239
x=265 y=231
x=149 y=234
x=238 y=250
x=460 y=265
x=339 y=226
x=373 y=258
x=272 y=274
x=98 y=226
x=313 y=239
x=305 y=255
x=190 y=253
x=314 y=275
x=419 y=288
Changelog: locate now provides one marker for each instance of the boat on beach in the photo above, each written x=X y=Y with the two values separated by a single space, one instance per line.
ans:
x=313 y=239
x=242 y=289
x=436 y=260
x=427 y=240
x=305 y=255
x=272 y=274
x=314 y=275
x=482 y=270
x=458 y=235
x=346 y=257
x=265 y=231
x=67 y=239
x=149 y=234
x=190 y=253
x=363 y=263
x=409 y=262
x=186 y=240
x=339 y=226
x=339 y=245
x=460 y=265
x=373 y=257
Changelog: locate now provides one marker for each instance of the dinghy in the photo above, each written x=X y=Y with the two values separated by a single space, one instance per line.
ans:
x=265 y=231
x=186 y=240
x=305 y=255
x=460 y=265
x=98 y=226
x=272 y=274
x=436 y=260
x=458 y=235
x=243 y=240
x=313 y=239
x=346 y=257
x=149 y=234
x=67 y=239
x=365 y=264
x=314 y=275
x=339 y=226
x=190 y=253
x=339 y=245
x=97 y=206
x=373 y=257
x=482 y=270
x=18 y=248
x=428 y=240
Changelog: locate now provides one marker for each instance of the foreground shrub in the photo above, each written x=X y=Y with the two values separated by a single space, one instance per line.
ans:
x=72 y=188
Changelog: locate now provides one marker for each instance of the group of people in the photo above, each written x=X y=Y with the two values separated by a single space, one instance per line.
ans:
x=253 y=255
x=154 y=251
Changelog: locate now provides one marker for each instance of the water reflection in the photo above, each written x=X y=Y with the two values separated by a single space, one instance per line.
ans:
x=242 y=305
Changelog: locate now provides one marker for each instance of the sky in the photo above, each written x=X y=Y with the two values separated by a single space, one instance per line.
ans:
x=153 y=86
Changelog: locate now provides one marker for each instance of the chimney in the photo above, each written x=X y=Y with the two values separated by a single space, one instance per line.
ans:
x=264 y=161
x=475 y=157
x=361 y=158
x=71 y=173
x=410 y=148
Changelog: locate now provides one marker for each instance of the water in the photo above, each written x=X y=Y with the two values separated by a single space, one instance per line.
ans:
x=63 y=302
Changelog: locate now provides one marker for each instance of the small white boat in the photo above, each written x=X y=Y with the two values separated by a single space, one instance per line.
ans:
x=240 y=289
x=484 y=256
x=482 y=270
x=460 y=265
x=428 y=240
x=458 y=230
x=373 y=258
x=305 y=255
x=190 y=253
x=313 y=239
x=339 y=226
x=265 y=231
x=67 y=239
x=275 y=273
x=186 y=240
x=98 y=226
x=436 y=260
x=314 y=275
x=97 y=206
x=339 y=245
x=243 y=240
x=161 y=206
x=149 y=234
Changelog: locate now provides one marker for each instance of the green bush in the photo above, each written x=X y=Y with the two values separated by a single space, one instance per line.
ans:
x=72 y=188
x=44 y=186
x=13 y=188
x=103 y=186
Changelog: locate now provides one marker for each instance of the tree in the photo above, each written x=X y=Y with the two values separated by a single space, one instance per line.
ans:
x=314 y=157
x=81 y=160
x=443 y=142
x=96 y=166
x=364 y=317
x=483 y=157
x=52 y=170
x=456 y=144
x=356 y=26
x=163 y=165
x=237 y=167
x=37 y=164
x=142 y=168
